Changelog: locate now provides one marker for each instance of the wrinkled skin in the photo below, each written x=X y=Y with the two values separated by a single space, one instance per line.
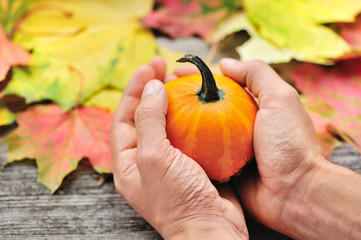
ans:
x=173 y=193
x=170 y=190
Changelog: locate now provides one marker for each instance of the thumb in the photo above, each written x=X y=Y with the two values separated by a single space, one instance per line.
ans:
x=150 y=118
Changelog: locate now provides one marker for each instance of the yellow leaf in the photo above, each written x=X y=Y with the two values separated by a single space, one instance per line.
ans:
x=6 y=117
x=297 y=25
x=256 y=47
x=80 y=47
x=106 y=98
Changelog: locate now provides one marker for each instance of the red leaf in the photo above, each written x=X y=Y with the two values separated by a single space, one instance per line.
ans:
x=321 y=114
x=340 y=88
x=351 y=32
x=11 y=54
x=179 y=18
x=58 y=140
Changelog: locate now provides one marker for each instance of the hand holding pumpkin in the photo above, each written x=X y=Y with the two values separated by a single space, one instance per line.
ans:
x=170 y=190
x=295 y=191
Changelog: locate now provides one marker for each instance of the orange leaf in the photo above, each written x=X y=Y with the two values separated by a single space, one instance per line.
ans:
x=11 y=54
x=58 y=140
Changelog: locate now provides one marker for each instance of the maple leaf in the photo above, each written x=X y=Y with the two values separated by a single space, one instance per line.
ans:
x=10 y=12
x=80 y=47
x=106 y=98
x=321 y=115
x=297 y=29
x=340 y=88
x=58 y=140
x=11 y=54
x=351 y=32
x=6 y=116
x=254 y=48
x=179 y=18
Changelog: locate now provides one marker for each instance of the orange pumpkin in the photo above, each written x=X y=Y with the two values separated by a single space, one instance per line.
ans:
x=213 y=126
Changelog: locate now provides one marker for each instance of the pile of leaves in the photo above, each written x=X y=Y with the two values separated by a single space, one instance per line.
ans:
x=67 y=62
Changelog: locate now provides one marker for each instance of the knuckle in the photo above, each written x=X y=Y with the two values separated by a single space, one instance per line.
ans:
x=151 y=155
x=156 y=159
x=288 y=93
x=258 y=63
x=143 y=114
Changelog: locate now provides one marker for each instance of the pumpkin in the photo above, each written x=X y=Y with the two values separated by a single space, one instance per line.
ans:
x=212 y=125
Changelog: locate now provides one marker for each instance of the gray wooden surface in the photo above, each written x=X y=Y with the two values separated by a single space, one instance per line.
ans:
x=83 y=209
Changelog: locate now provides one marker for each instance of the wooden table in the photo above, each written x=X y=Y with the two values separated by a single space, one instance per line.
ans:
x=83 y=209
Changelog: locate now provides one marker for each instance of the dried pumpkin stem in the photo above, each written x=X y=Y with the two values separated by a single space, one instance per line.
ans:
x=209 y=91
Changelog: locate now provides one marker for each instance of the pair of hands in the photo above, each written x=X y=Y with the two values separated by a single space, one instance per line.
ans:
x=173 y=193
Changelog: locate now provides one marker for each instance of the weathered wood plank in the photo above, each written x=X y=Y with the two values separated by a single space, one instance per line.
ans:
x=81 y=209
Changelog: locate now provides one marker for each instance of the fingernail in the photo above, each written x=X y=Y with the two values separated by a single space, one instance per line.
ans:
x=152 y=87
x=229 y=61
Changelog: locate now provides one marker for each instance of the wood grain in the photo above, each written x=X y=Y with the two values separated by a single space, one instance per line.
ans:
x=83 y=209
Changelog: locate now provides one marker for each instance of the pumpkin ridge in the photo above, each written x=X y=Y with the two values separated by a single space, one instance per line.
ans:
x=248 y=100
x=193 y=129
x=182 y=106
x=241 y=115
x=227 y=154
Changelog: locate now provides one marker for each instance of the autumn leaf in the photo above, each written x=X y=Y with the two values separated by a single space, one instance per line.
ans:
x=106 y=98
x=322 y=115
x=340 y=88
x=179 y=18
x=81 y=47
x=10 y=12
x=297 y=29
x=351 y=32
x=6 y=116
x=254 y=48
x=11 y=54
x=58 y=140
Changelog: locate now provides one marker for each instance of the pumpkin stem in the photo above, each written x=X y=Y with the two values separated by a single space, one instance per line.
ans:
x=209 y=91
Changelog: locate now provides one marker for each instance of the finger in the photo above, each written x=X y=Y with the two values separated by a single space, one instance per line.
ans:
x=170 y=77
x=150 y=119
x=133 y=92
x=123 y=134
x=256 y=75
x=186 y=70
x=233 y=206
x=246 y=187
x=159 y=66
x=126 y=174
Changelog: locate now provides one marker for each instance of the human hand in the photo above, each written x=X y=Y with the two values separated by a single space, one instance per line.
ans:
x=285 y=146
x=170 y=190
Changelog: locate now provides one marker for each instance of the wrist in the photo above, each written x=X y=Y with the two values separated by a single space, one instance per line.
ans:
x=324 y=205
x=296 y=207
x=207 y=228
